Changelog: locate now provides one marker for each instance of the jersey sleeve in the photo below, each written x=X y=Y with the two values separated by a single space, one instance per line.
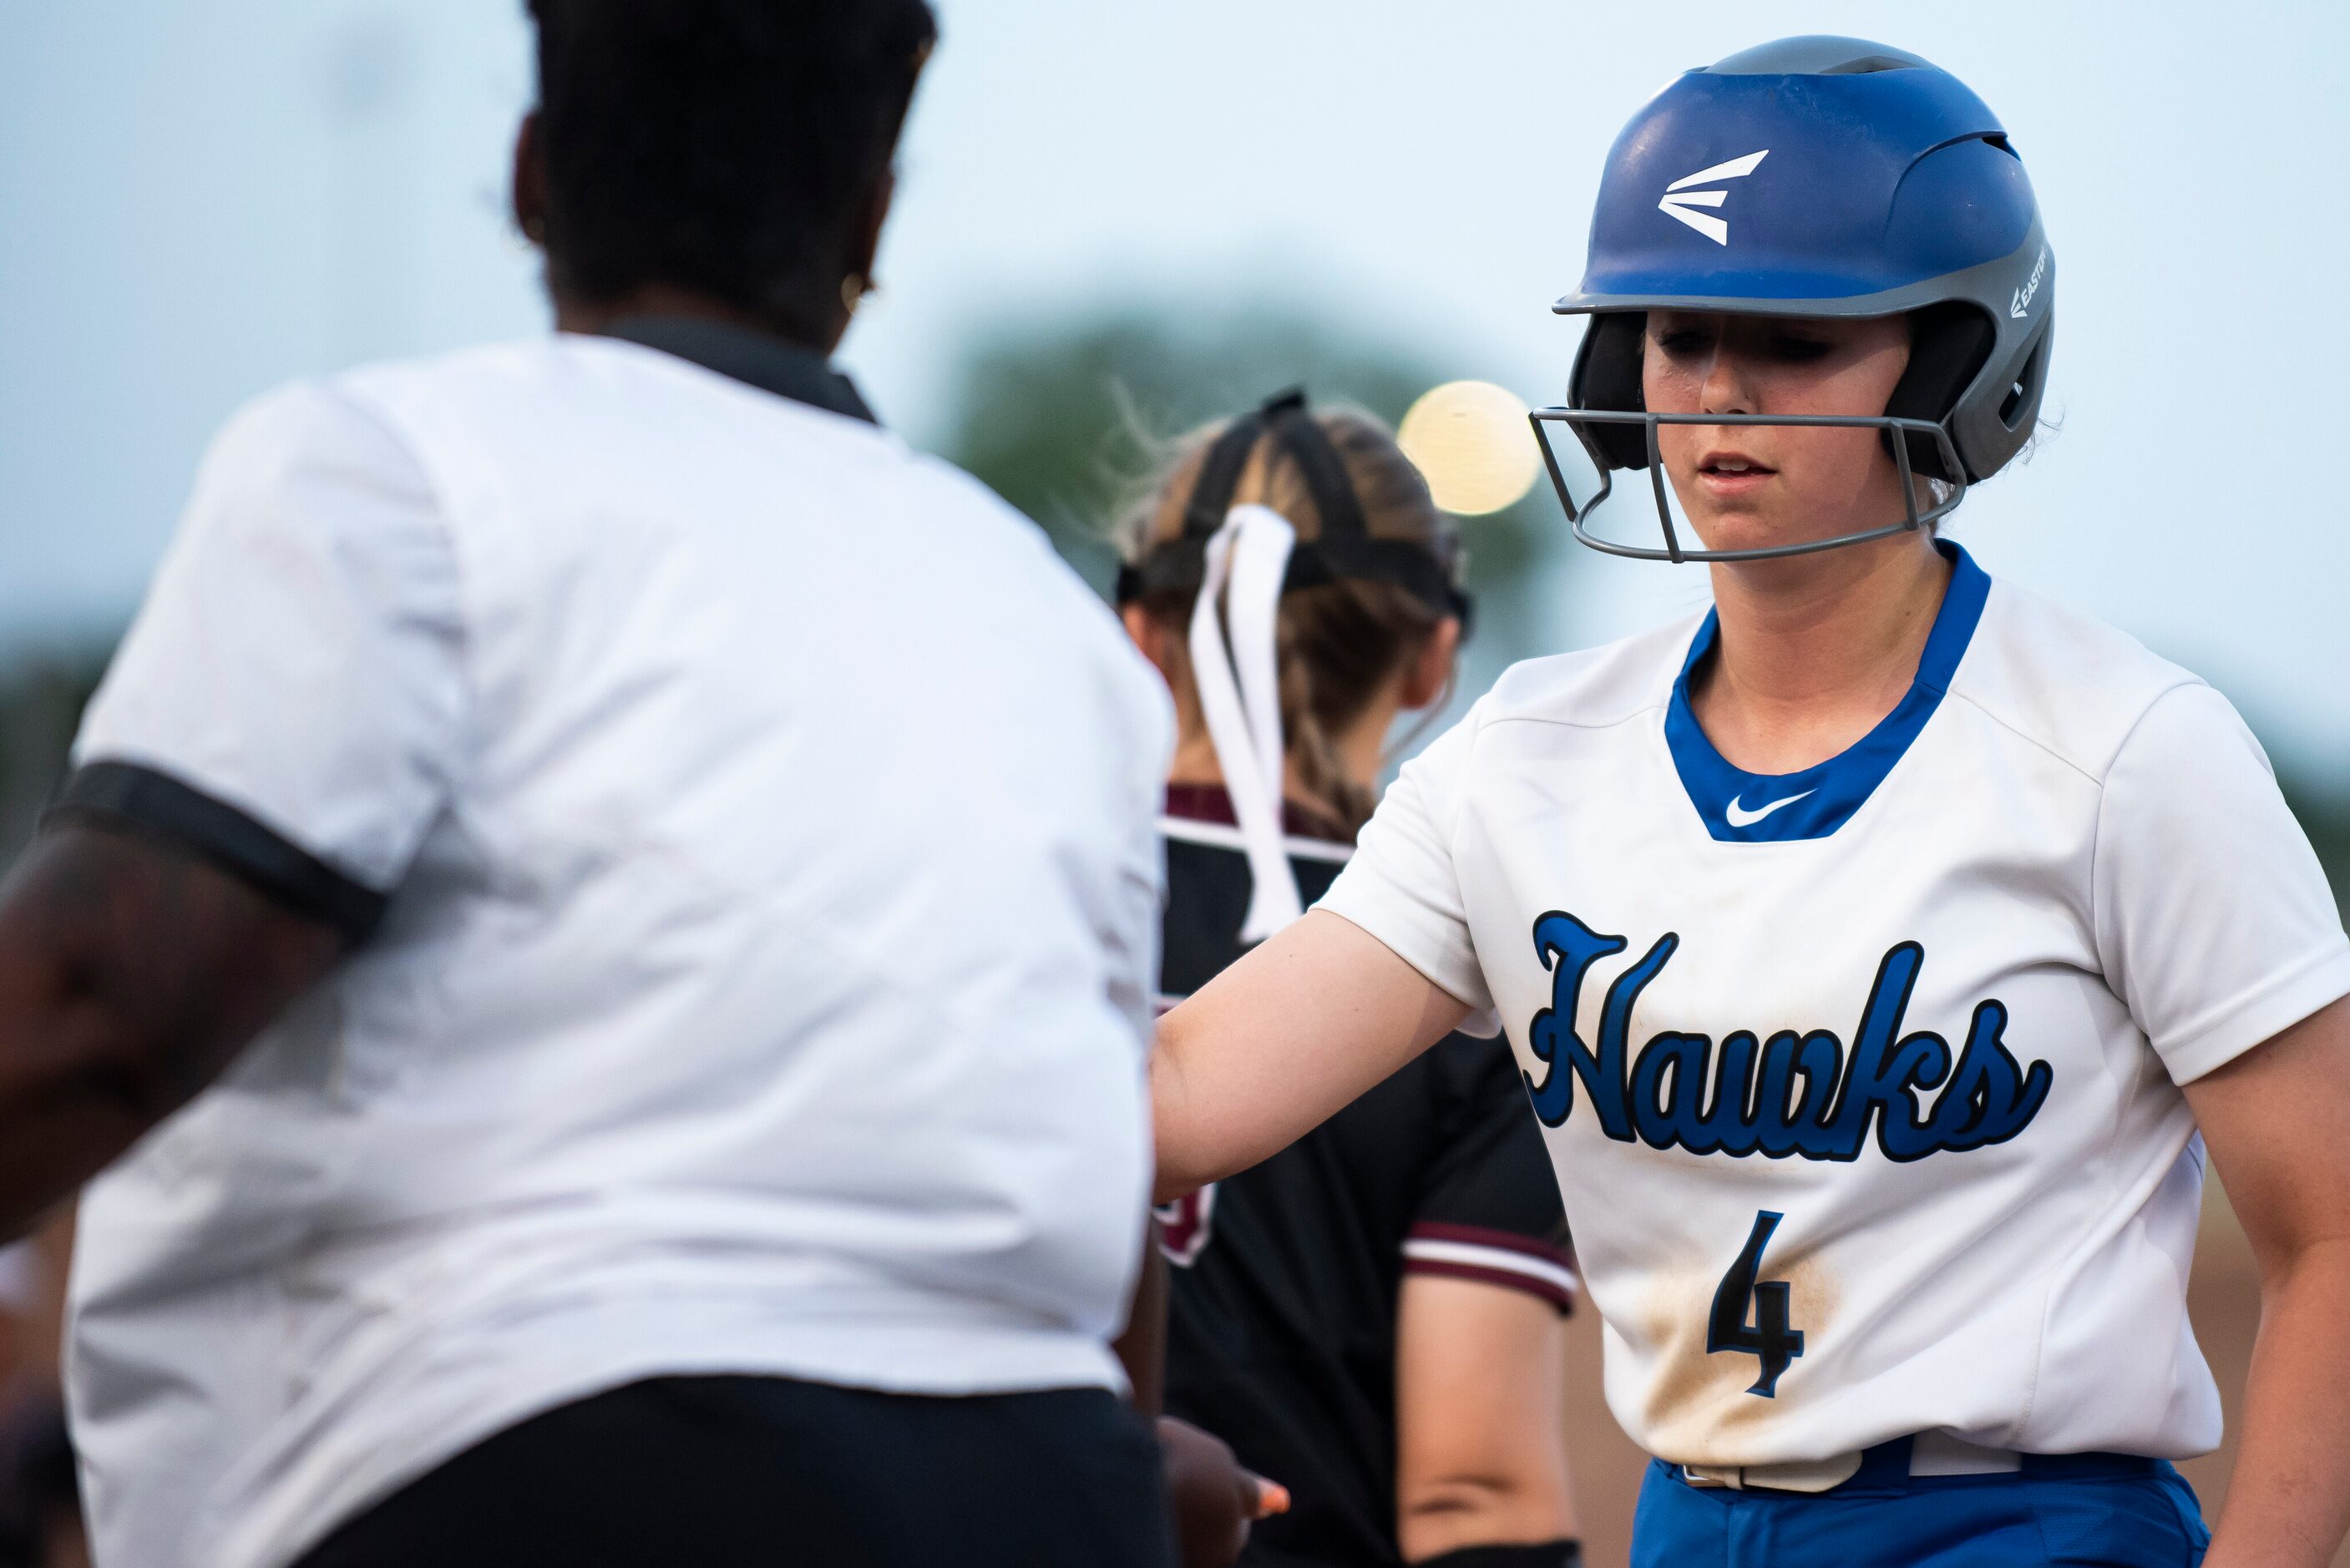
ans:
x=2214 y=920
x=288 y=702
x=1400 y=886
x=1488 y=1206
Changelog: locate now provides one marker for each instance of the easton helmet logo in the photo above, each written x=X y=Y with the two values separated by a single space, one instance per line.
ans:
x=2022 y=300
x=1681 y=202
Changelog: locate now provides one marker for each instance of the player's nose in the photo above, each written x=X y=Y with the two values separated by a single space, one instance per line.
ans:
x=1728 y=384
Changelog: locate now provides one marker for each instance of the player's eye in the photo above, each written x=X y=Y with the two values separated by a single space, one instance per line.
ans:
x=1684 y=342
x=1790 y=349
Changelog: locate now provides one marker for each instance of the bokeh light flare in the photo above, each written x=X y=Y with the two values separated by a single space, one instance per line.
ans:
x=1471 y=441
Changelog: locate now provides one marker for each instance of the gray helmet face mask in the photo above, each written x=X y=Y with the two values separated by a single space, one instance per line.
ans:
x=1822 y=178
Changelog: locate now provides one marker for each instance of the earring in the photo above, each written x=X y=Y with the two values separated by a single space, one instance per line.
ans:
x=853 y=290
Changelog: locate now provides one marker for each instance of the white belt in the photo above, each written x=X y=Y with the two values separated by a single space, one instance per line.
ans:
x=1930 y=1454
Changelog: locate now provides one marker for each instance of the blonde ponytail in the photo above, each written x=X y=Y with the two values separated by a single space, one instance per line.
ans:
x=1337 y=643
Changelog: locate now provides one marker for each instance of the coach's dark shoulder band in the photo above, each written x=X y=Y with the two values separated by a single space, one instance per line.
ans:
x=158 y=803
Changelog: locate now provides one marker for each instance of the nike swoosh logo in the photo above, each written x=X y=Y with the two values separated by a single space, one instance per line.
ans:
x=1742 y=818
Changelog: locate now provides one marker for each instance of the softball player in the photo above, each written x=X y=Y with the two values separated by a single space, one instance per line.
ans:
x=1375 y=1316
x=1882 y=947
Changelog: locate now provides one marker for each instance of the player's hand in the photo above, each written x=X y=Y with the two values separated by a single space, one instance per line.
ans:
x=1213 y=1499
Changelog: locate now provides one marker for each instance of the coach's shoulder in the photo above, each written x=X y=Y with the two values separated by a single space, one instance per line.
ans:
x=298 y=435
x=969 y=536
x=2064 y=681
x=1594 y=688
x=549 y=381
x=969 y=523
x=397 y=380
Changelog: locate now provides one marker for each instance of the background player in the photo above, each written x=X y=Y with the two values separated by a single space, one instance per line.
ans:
x=1884 y=947
x=1375 y=1315
x=662 y=1115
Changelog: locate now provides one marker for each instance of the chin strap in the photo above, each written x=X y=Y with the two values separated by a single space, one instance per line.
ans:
x=1251 y=552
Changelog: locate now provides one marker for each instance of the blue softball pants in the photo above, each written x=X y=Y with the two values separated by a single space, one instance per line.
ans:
x=2069 y=1511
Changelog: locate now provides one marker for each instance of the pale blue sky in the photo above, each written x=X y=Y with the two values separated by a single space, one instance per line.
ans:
x=199 y=200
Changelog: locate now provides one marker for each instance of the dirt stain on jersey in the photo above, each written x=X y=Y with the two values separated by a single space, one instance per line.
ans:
x=1697 y=1409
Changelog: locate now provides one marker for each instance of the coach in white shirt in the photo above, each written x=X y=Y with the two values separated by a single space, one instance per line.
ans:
x=612 y=907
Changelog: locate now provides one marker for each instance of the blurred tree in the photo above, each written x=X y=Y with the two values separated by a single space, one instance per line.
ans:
x=2325 y=818
x=1067 y=418
x=41 y=700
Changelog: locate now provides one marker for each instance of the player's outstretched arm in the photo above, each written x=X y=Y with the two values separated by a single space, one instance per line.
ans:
x=1281 y=1041
x=2277 y=1122
x=131 y=975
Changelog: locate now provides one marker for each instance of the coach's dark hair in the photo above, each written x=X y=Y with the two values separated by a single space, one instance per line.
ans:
x=728 y=147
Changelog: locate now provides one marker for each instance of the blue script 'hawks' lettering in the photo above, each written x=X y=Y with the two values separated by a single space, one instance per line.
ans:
x=1682 y=1091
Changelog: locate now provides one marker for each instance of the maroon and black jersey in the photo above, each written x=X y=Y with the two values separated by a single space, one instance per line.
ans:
x=1282 y=1328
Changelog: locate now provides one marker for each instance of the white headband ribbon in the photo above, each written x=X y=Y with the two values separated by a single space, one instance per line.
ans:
x=1251 y=552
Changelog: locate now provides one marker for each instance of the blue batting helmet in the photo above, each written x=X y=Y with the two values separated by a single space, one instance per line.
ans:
x=1821 y=177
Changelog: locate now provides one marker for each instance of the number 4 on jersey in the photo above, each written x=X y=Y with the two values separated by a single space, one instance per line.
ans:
x=1768 y=1335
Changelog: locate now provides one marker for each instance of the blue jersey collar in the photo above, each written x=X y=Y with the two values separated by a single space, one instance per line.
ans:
x=1739 y=808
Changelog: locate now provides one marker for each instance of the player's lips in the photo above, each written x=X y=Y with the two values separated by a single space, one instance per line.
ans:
x=1726 y=473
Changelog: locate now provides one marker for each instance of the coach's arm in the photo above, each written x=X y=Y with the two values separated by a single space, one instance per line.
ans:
x=2277 y=1122
x=131 y=974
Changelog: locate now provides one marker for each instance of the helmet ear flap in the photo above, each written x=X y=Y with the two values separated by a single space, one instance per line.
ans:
x=1608 y=376
x=1990 y=434
x=1948 y=345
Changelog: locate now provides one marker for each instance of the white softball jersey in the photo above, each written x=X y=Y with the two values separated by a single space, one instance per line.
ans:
x=755 y=823
x=1863 y=1083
